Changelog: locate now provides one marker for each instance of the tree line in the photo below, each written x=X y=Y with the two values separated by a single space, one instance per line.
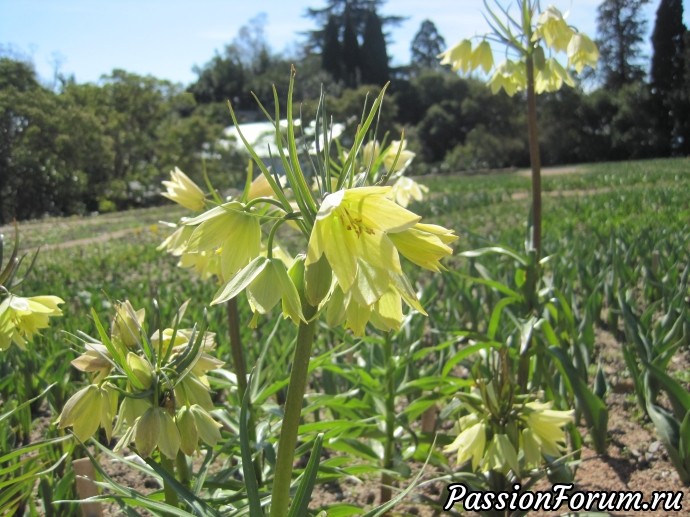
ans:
x=78 y=148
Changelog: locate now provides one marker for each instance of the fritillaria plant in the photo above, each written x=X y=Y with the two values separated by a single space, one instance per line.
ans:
x=349 y=266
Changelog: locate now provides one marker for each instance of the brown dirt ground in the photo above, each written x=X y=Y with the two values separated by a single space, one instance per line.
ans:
x=636 y=459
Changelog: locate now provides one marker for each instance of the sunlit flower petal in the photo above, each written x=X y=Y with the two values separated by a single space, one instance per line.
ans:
x=184 y=191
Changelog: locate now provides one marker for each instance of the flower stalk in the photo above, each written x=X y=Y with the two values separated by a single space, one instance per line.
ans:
x=280 y=500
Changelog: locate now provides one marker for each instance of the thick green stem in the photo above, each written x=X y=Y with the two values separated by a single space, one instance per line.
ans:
x=238 y=362
x=183 y=474
x=240 y=367
x=534 y=157
x=389 y=446
x=169 y=491
x=280 y=499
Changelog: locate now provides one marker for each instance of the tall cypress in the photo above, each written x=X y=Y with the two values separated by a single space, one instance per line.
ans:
x=351 y=58
x=621 y=29
x=374 y=58
x=668 y=77
x=332 y=54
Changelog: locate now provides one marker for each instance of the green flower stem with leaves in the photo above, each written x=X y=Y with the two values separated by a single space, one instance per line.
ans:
x=280 y=499
x=169 y=491
x=389 y=447
x=534 y=157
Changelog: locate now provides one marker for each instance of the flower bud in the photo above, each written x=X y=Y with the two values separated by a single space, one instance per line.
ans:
x=208 y=429
x=82 y=412
x=317 y=281
x=169 y=437
x=189 y=436
x=141 y=370
x=148 y=429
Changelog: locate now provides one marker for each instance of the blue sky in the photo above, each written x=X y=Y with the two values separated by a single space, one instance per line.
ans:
x=166 y=38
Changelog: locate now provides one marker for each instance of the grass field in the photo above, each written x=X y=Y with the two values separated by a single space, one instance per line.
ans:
x=618 y=236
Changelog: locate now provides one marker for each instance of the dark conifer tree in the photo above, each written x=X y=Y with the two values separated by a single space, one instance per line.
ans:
x=332 y=53
x=351 y=54
x=621 y=29
x=373 y=55
x=668 y=77
x=426 y=46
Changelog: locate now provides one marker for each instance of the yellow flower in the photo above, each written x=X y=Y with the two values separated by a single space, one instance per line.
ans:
x=510 y=76
x=551 y=26
x=126 y=325
x=266 y=282
x=406 y=189
x=482 y=57
x=184 y=191
x=232 y=229
x=582 y=52
x=351 y=231
x=425 y=244
x=548 y=426
x=142 y=370
x=501 y=456
x=551 y=77
x=156 y=428
x=470 y=443
x=396 y=156
x=370 y=152
x=21 y=318
x=458 y=57
x=260 y=187
x=89 y=408
x=96 y=359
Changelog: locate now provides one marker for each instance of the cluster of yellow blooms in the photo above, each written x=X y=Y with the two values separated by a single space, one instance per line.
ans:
x=550 y=35
x=351 y=268
x=21 y=318
x=517 y=442
x=166 y=396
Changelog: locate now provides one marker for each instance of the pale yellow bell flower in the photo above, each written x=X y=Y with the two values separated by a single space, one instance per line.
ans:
x=459 y=57
x=551 y=77
x=88 y=409
x=501 y=456
x=510 y=76
x=126 y=325
x=582 y=52
x=397 y=157
x=370 y=152
x=156 y=428
x=183 y=191
x=266 y=282
x=230 y=228
x=425 y=245
x=552 y=27
x=470 y=444
x=21 y=318
x=482 y=57
x=353 y=225
x=406 y=189
x=96 y=359
x=260 y=187
x=548 y=426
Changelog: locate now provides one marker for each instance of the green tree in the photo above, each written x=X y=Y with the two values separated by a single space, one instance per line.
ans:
x=351 y=54
x=332 y=52
x=621 y=29
x=374 y=58
x=356 y=10
x=426 y=46
x=668 y=81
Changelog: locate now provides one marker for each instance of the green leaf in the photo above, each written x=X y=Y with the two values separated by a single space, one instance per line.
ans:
x=247 y=461
x=240 y=281
x=299 y=505
x=593 y=409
